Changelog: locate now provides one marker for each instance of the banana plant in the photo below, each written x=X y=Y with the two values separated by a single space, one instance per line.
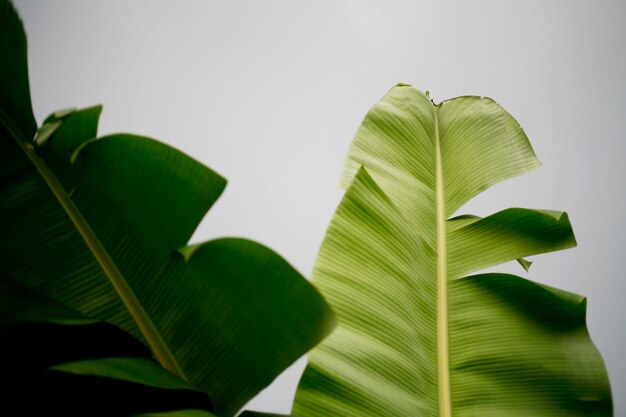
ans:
x=101 y=226
x=419 y=333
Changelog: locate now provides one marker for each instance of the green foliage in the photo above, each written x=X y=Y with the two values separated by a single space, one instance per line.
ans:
x=59 y=360
x=417 y=335
x=100 y=227
x=105 y=309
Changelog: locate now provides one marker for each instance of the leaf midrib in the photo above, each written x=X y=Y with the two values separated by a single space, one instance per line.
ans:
x=443 y=359
x=147 y=327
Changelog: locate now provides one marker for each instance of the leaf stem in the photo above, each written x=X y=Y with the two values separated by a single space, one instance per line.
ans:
x=443 y=359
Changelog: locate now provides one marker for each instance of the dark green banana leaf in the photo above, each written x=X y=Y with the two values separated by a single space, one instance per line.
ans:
x=101 y=225
x=56 y=362
x=418 y=335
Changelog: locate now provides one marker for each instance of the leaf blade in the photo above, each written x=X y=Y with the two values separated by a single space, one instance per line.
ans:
x=390 y=244
x=58 y=361
x=15 y=105
x=536 y=358
x=507 y=235
x=165 y=194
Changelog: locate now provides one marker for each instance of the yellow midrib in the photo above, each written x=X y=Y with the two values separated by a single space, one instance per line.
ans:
x=160 y=349
x=443 y=358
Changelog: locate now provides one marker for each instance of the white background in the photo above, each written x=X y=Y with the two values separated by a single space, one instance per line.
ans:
x=269 y=94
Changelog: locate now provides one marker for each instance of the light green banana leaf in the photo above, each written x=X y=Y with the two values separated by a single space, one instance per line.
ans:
x=418 y=335
x=102 y=225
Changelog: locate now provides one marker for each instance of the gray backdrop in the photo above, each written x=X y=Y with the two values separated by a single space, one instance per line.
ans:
x=269 y=94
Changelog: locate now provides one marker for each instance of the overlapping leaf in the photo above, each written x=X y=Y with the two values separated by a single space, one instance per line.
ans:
x=102 y=226
x=417 y=336
x=57 y=362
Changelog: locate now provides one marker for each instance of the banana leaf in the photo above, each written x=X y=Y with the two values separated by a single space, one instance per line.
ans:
x=56 y=362
x=418 y=334
x=102 y=225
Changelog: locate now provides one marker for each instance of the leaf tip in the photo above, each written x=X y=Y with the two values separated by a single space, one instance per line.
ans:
x=525 y=263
